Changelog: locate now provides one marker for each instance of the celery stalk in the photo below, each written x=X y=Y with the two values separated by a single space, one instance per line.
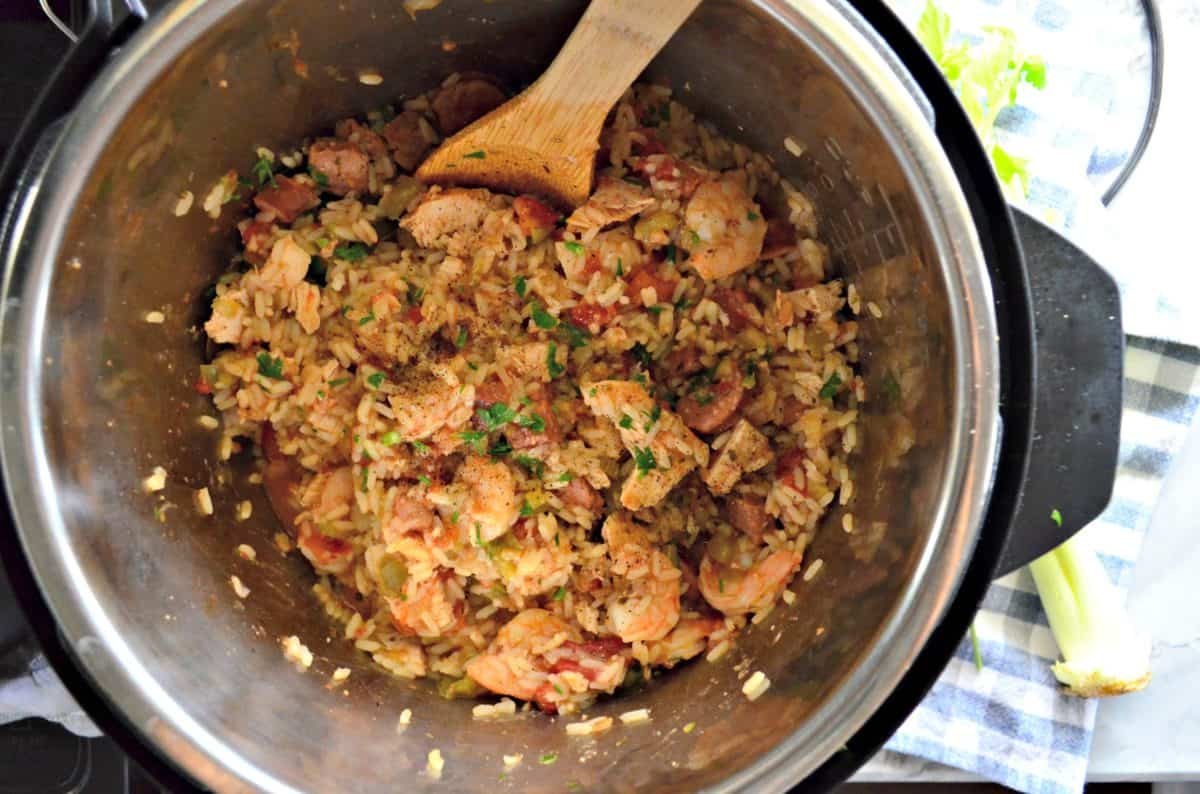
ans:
x=1103 y=653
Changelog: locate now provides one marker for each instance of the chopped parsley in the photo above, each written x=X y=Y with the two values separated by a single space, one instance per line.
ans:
x=655 y=310
x=695 y=237
x=420 y=447
x=575 y=336
x=415 y=293
x=552 y=366
x=566 y=476
x=526 y=510
x=548 y=758
x=1056 y=516
x=535 y=466
x=370 y=317
x=639 y=352
x=654 y=414
x=532 y=422
x=475 y=439
x=670 y=253
x=454 y=517
x=421 y=478
x=681 y=304
x=542 y=318
x=626 y=421
x=520 y=286
x=500 y=447
x=643 y=457
x=351 y=252
x=390 y=438
x=573 y=247
x=339 y=382
x=270 y=367
x=721 y=585
x=460 y=339
x=559 y=594
x=495 y=416
x=376 y=379
x=318 y=177
x=620 y=267
x=264 y=172
x=362 y=485
x=476 y=155
x=831 y=387
x=752 y=216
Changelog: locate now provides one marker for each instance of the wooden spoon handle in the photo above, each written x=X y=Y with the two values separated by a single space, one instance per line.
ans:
x=609 y=48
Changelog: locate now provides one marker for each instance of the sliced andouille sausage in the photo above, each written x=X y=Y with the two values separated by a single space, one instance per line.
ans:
x=406 y=140
x=343 y=165
x=747 y=514
x=287 y=198
x=711 y=411
x=460 y=103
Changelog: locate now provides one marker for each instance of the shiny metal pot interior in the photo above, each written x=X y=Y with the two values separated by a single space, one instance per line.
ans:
x=93 y=397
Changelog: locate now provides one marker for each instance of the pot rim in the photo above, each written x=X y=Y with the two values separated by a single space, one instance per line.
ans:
x=844 y=43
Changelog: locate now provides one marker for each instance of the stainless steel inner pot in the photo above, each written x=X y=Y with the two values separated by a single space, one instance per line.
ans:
x=93 y=397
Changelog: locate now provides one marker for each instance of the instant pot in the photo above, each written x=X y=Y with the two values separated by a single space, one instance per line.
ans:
x=994 y=375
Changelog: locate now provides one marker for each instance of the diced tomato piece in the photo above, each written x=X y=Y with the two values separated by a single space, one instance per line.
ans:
x=202 y=386
x=590 y=315
x=535 y=218
x=789 y=470
x=413 y=315
x=664 y=286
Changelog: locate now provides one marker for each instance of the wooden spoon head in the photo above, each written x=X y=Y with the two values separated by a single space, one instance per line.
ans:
x=565 y=178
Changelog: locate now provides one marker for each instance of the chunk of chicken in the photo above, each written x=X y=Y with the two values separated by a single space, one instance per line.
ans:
x=614 y=201
x=450 y=219
x=429 y=399
x=745 y=450
x=343 y=165
x=662 y=445
x=727 y=226
x=492 y=506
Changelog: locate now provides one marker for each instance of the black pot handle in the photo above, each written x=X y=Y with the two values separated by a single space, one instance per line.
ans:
x=1080 y=350
x=106 y=27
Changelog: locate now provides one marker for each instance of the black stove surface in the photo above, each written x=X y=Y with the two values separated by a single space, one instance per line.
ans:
x=38 y=756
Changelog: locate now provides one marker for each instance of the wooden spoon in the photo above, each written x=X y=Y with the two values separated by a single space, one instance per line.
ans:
x=544 y=140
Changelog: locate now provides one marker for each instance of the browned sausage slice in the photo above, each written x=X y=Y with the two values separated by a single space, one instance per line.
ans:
x=287 y=199
x=342 y=163
x=711 y=411
x=459 y=104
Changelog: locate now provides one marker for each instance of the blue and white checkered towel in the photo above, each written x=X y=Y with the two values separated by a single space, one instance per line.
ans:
x=1009 y=722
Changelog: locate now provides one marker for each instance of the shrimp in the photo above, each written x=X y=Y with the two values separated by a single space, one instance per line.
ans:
x=492 y=506
x=736 y=592
x=329 y=500
x=306 y=302
x=644 y=604
x=690 y=637
x=432 y=607
x=286 y=266
x=665 y=448
x=727 y=228
x=538 y=656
